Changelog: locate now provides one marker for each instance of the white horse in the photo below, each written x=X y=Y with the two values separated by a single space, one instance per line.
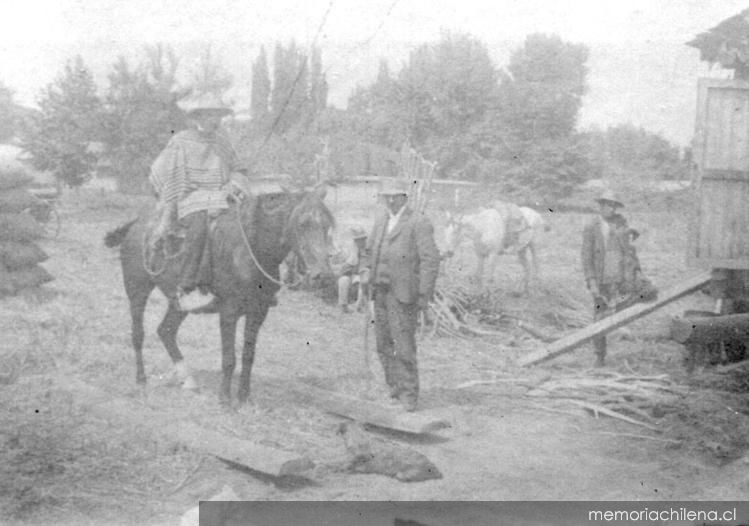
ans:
x=502 y=228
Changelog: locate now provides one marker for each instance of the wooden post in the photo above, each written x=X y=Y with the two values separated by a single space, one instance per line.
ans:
x=606 y=325
x=708 y=329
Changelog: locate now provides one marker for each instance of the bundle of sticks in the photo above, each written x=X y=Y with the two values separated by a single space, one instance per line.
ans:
x=636 y=399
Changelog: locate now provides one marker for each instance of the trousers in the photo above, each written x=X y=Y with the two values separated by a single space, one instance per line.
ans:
x=603 y=306
x=196 y=267
x=395 y=335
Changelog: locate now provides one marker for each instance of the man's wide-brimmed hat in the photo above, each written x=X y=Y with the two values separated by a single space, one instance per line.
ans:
x=204 y=102
x=395 y=187
x=608 y=196
x=358 y=233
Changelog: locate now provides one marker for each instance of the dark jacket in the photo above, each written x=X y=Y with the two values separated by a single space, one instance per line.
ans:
x=409 y=252
x=593 y=250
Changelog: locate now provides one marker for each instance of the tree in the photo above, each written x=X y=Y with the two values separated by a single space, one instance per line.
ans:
x=318 y=84
x=446 y=87
x=210 y=76
x=541 y=91
x=259 y=97
x=290 y=89
x=444 y=90
x=58 y=139
x=141 y=114
x=8 y=113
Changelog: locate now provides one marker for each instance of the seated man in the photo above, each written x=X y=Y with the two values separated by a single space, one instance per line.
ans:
x=349 y=274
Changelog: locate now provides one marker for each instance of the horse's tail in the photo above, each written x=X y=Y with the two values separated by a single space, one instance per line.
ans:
x=116 y=236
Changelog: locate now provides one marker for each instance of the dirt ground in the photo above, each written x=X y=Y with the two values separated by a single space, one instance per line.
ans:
x=62 y=464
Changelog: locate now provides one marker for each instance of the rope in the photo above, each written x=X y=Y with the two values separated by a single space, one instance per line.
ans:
x=252 y=253
x=148 y=257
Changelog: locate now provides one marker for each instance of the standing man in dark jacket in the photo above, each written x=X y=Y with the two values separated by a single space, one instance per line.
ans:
x=401 y=264
x=604 y=259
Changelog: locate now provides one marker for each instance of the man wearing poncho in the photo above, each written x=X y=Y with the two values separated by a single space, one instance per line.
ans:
x=195 y=177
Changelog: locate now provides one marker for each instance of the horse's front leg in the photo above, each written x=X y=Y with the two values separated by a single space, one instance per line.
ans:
x=479 y=277
x=491 y=265
x=254 y=319
x=228 y=316
x=536 y=267
x=523 y=257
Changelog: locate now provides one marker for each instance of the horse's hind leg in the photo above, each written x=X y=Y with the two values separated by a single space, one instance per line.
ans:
x=138 y=299
x=167 y=331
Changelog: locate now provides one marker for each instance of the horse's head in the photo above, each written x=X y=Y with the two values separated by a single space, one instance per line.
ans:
x=452 y=234
x=308 y=234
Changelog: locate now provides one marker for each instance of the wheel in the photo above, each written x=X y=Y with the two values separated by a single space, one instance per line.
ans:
x=52 y=225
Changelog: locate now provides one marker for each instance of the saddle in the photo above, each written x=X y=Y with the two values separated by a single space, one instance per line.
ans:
x=515 y=222
x=160 y=248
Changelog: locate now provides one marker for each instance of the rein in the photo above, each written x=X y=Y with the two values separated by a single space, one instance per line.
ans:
x=252 y=252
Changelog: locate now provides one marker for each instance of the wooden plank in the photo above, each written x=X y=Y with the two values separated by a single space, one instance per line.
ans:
x=419 y=422
x=606 y=325
x=252 y=455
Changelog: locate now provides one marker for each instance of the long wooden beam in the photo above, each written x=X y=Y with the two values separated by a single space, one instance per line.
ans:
x=252 y=455
x=419 y=422
x=613 y=322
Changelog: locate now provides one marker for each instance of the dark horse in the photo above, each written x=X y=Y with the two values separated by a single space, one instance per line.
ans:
x=245 y=274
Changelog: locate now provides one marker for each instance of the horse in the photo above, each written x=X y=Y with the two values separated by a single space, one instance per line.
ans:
x=492 y=234
x=245 y=274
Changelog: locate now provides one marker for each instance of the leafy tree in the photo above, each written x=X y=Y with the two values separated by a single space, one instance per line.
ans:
x=58 y=139
x=8 y=113
x=289 y=94
x=210 y=76
x=142 y=114
x=318 y=87
x=443 y=91
x=260 y=92
x=628 y=151
x=541 y=91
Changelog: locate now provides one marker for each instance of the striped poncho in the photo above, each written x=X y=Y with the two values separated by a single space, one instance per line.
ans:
x=192 y=170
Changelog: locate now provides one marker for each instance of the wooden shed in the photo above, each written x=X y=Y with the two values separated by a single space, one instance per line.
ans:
x=719 y=221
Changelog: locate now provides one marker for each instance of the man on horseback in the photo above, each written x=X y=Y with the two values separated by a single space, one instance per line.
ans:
x=194 y=177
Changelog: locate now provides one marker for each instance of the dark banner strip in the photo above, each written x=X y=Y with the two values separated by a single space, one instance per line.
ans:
x=440 y=513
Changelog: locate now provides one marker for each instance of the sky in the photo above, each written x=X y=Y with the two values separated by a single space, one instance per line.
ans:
x=640 y=70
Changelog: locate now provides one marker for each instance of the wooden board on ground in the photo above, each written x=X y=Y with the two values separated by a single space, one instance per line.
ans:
x=599 y=328
x=254 y=456
x=419 y=422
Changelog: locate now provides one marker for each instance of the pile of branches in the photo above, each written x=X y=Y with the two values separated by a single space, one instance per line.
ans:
x=637 y=399
x=453 y=312
x=703 y=414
